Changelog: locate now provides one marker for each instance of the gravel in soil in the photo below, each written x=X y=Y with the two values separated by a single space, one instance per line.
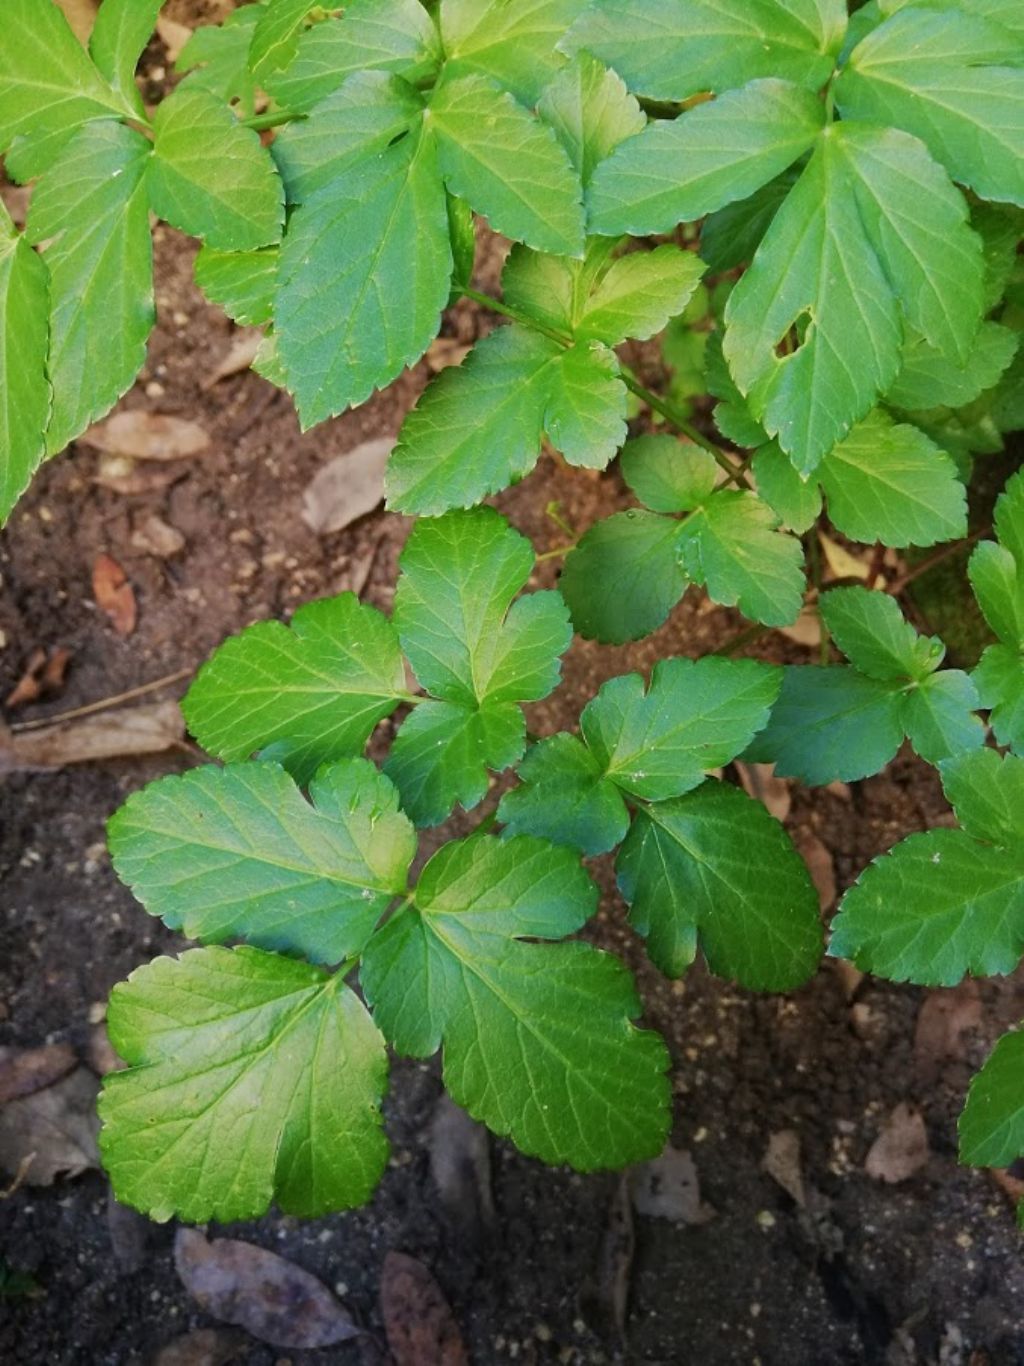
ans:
x=924 y=1271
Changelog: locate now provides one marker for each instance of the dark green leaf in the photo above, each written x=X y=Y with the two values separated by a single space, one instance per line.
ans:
x=624 y=577
x=564 y=797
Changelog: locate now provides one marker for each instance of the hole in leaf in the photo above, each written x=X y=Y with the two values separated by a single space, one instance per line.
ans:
x=794 y=336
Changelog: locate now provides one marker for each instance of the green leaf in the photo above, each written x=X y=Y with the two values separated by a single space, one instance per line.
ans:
x=668 y=475
x=275 y=38
x=211 y=177
x=238 y=853
x=875 y=636
x=928 y=379
x=241 y=1054
x=466 y=639
x=731 y=546
x=697 y=715
x=118 y=39
x=947 y=78
x=939 y=716
x=537 y=1038
x=624 y=577
x=991 y=1126
x=715 y=864
x=358 y=122
x=477 y=427
x=815 y=271
x=217 y=58
x=638 y=294
x=585 y=417
x=24 y=387
x=672 y=49
x=242 y=283
x=374 y=35
x=732 y=415
x=91 y=213
x=304 y=694
x=947 y=902
x=889 y=482
x=730 y=236
x=795 y=501
x=831 y=724
x=511 y=41
x=444 y=751
x=564 y=797
x=714 y=154
x=917 y=222
x=591 y=111
x=48 y=86
x=365 y=271
x=509 y=166
x=999 y=679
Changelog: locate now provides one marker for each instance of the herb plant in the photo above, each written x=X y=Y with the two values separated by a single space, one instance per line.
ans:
x=808 y=216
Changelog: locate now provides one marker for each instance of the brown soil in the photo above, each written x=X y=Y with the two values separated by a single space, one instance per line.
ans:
x=926 y=1271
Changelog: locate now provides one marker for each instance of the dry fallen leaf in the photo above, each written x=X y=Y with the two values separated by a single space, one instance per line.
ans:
x=419 y=1324
x=202 y=1347
x=446 y=351
x=840 y=561
x=51 y=1132
x=850 y=976
x=348 y=487
x=25 y=1070
x=945 y=1018
x=668 y=1188
x=173 y=35
x=759 y=781
x=265 y=1294
x=239 y=356
x=81 y=15
x=615 y=1266
x=114 y=594
x=806 y=630
x=144 y=435
x=460 y=1164
x=901 y=1149
x=121 y=474
x=820 y=865
x=153 y=536
x=782 y=1163
x=43 y=676
x=116 y=734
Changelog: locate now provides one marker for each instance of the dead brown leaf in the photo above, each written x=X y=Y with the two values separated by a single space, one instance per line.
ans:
x=945 y=1018
x=173 y=35
x=668 y=1188
x=202 y=1347
x=820 y=865
x=116 y=734
x=842 y=563
x=782 y=1163
x=51 y=1132
x=143 y=435
x=43 y=676
x=81 y=15
x=901 y=1149
x=759 y=781
x=154 y=537
x=239 y=356
x=114 y=594
x=121 y=474
x=25 y=1070
x=460 y=1164
x=348 y=487
x=419 y=1324
x=446 y=351
x=806 y=630
x=263 y=1293
x=615 y=1267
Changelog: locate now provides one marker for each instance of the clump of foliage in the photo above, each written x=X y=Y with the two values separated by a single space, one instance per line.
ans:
x=850 y=185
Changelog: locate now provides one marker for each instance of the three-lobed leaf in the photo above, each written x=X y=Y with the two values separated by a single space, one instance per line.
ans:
x=537 y=1039
x=252 y=1078
x=238 y=853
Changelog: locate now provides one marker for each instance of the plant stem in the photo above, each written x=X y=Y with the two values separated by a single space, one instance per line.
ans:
x=555 y=554
x=274 y=119
x=930 y=561
x=104 y=704
x=496 y=306
x=683 y=424
x=813 y=546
